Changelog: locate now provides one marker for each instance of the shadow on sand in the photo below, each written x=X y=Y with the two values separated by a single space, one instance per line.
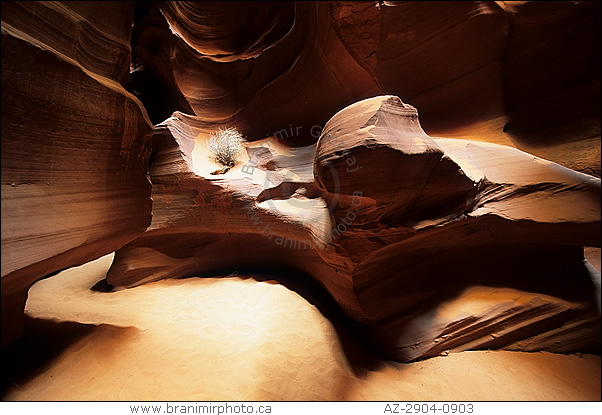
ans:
x=42 y=343
x=362 y=355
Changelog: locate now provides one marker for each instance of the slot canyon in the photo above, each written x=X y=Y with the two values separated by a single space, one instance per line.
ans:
x=301 y=201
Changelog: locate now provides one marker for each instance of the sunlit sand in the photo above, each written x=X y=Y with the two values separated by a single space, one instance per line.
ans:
x=239 y=338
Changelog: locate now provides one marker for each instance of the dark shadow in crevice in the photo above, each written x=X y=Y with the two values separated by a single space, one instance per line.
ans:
x=151 y=74
x=102 y=286
x=558 y=100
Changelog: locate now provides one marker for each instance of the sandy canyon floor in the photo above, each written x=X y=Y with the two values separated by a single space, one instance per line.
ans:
x=238 y=338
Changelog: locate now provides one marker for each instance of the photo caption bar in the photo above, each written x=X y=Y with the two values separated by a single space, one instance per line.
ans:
x=298 y=408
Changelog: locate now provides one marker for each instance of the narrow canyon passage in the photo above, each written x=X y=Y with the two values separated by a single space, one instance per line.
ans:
x=301 y=201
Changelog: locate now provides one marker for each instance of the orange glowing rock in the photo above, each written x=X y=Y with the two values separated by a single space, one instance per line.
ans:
x=398 y=227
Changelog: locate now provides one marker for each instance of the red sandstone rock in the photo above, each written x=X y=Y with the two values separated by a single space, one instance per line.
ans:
x=299 y=79
x=461 y=63
x=239 y=30
x=75 y=143
x=426 y=224
x=398 y=227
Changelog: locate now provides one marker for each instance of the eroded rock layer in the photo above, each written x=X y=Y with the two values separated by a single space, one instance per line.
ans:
x=300 y=73
x=75 y=143
x=430 y=245
x=493 y=65
x=242 y=30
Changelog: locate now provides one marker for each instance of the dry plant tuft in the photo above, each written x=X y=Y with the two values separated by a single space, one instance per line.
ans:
x=225 y=145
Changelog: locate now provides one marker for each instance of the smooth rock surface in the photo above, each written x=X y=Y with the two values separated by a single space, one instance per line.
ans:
x=426 y=226
x=242 y=30
x=491 y=66
x=298 y=78
x=400 y=227
x=75 y=143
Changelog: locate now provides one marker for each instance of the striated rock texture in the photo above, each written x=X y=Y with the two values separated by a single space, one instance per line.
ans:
x=286 y=67
x=75 y=143
x=430 y=245
x=242 y=30
x=291 y=70
x=372 y=211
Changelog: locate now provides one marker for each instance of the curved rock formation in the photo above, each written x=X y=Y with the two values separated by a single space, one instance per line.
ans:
x=467 y=65
x=365 y=209
x=151 y=73
x=75 y=143
x=429 y=244
x=265 y=94
x=242 y=30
